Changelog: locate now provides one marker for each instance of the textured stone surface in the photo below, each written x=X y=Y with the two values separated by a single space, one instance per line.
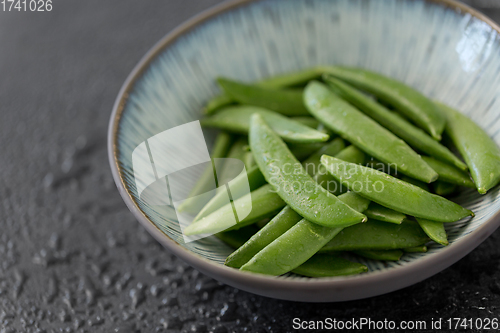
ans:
x=72 y=257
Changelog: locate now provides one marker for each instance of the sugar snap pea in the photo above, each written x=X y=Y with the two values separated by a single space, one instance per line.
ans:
x=236 y=151
x=393 y=193
x=279 y=81
x=323 y=129
x=449 y=173
x=422 y=185
x=364 y=132
x=479 y=151
x=255 y=180
x=292 y=183
x=308 y=121
x=377 y=235
x=288 y=102
x=291 y=249
x=381 y=166
x=299 y=243
x=239 y=150
x=323 y=178
x=413 y=135
x=304 y=150
x=406 y=100
x=324 y=265
x=264 y=203
x=220 y=148
x=236 y=119
x=291 y=79
x=385 y=255
x=262 y=223
x=285 y=219
x=218 y=102
x=312 y=163
x=248 y=160
x=416 y=249
x=236 y=238
x=381 y=213
x=444 y=188
x=352 y=154
x=435 y=231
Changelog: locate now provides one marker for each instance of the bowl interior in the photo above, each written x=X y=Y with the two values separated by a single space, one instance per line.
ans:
x=445 y=53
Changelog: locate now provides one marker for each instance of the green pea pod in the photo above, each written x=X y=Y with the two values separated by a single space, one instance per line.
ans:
x=416 y=249
x=422 y=185
x=291 y=181
x=278 y=81
x=444 y=188
x=308 y=121
x=380 y=166
x=323 y=129
x=236 y=238
x=393 y=193
x=262 y=223
x=435 y=231
x=255 y=180
x=303 y=151
x=381 y=213
x=479 y=151
x=264 y=203
x=218 y=102
x=323 y=178
x=236 y=119
x=236 y=151
x=275 y=228
x=286 y=219
x=299 y=243
x=377 y=235
x=449 y=173
x=324 y=265
x=288 y=102
x=352 y=154
x=364 y=132
x=312 y=163
x=220 y=149
x=413 y=135
x=406 y=100
x=248 y=160
x=385 y=255
x=292 y=79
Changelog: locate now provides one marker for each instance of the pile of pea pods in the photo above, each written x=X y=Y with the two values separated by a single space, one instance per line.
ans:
x=341 y=162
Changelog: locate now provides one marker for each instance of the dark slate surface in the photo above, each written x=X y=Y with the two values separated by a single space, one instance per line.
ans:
x=72 y=257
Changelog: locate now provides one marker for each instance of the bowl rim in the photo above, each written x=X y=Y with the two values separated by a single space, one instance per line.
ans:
x=381 y=282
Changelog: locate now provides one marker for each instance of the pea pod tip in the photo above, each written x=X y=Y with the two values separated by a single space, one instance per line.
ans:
x=433 y=178
x=437 y=137
x=324 y=137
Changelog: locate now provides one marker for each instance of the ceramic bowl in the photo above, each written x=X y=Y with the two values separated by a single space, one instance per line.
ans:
x=442 y=48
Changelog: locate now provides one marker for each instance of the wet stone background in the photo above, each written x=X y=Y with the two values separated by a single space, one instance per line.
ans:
x=72 y=257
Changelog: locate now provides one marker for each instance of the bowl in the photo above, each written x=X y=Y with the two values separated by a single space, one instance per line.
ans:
x=442 y=48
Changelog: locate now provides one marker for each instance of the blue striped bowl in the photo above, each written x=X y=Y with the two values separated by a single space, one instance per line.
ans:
x=442 y=48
